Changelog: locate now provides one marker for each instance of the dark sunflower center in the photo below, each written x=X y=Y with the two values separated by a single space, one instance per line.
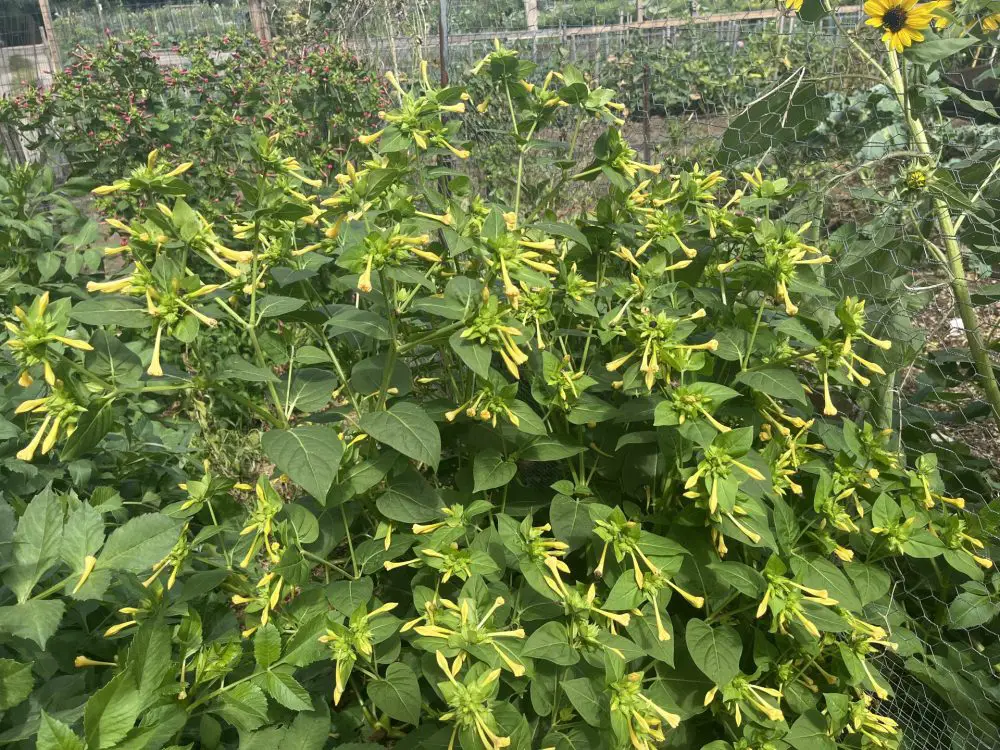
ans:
x=894 y=19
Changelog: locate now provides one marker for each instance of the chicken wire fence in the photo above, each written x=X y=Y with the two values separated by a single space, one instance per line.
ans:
x=699 y=78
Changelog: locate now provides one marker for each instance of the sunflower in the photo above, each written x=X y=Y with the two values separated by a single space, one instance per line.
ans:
x=901 y=20
x=941 y=22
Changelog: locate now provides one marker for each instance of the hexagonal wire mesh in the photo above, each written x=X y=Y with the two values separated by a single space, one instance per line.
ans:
x=689 y=72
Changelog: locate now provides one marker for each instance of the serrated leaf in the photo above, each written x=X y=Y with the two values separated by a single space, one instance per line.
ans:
x=16 y=683
x=35 y=620
x=310 y=455
x=287 y=691
x=406 y=428
x=398 y=694
x=245 y=707
x=111 y=712
x=36 y=543
x=54 y=735
x=266 y=646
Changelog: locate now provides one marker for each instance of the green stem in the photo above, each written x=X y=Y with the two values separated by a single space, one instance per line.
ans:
x=953 y=253
x=753 y=333
x=350 y=543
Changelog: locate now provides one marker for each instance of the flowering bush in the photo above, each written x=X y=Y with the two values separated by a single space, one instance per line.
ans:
x=383 y=462
x=119 y=101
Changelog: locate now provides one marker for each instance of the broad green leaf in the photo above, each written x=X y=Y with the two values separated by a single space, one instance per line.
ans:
x=571 y=523
x=409 y=498
x=310 y=729
x=716 y=650
x=35 y=620
x=237 y=368
x=398 y=694
x=407 y=428
x=347 y=596
x=475 y=356
x=820 y=573
x=970 y=610
x=16 y=682
x=140 y=543
x=778 y=382
x=551 y=643
x=585 y=699
x=111 y=712
x=809 y=732
x=94 y=424
x=54 y=735
x=266 y=645
x=490 y=470
x=935 y=50
x=112 y=310
x=741 y=577
x=349 y=319
x=871 y=582
x=310 y=455
x=36 y=543
x=274 y=306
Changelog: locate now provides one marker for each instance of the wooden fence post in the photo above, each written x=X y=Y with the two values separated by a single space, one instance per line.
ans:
x=258 y=20
x=50 y=37
x=531 y=14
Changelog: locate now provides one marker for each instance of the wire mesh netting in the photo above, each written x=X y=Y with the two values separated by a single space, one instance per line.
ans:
x=718 y=81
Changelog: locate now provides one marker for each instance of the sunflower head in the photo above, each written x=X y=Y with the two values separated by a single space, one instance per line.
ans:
x=902 y=21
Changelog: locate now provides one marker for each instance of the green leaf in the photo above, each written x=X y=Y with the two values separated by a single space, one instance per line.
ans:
x=54 y=735
x=398 y=694
x=310 y=729
x=563 y=230
x=349 y=319
x=35 y=620
x=584 y=698
x=475 y=356
x=778 y=382
x=935 y=50
x=287 y=691
x=94 y=424
x=111 y=310
x=970 y=610
x=310 y=455
x=551 y=643
x=140 y=543
x=741 y=577
x=550 y=448
x=571 y=523
x=809 y=732
x=237 y=368
x=871 y=582
x=347 y=596
x=407 y=428
x=715 y=650
x=274 y=306
x=36 y=543
x=490 y=470
x=820 y=573
x=245 y=707
x=409 y=498
x=111 y=712
x=16 y=683
x=149 y=658
x=266 y=646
